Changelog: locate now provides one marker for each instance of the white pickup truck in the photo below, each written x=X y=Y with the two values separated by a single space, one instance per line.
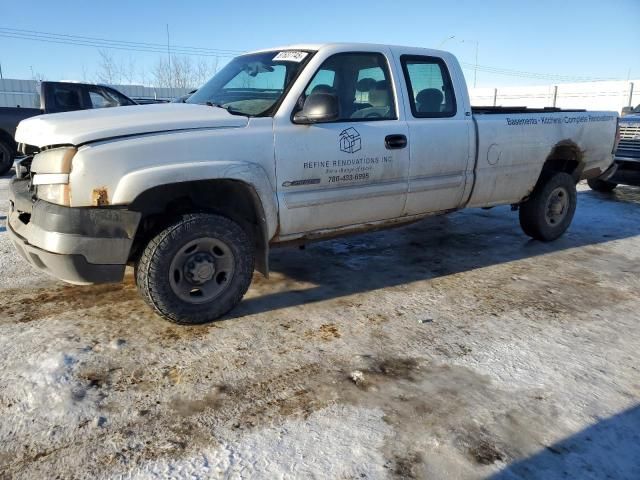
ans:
x=281 y=145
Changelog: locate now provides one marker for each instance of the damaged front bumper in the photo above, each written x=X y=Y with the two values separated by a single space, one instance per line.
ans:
x=78 y=245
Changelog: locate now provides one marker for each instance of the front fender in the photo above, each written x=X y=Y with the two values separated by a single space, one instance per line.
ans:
x=131 y=185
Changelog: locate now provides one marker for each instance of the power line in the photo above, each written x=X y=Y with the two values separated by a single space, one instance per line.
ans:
x=114 y=44
x=121 y=42
x=540 y=76
x=112 y=47
x=147 y=47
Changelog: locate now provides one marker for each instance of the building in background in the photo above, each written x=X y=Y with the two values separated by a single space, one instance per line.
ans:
x=25 y=93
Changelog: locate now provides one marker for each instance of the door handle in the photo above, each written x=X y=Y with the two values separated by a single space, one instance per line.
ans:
x=394 y=142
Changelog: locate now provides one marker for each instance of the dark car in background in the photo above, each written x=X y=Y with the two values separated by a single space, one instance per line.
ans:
x=55 y=97
x=627 y=158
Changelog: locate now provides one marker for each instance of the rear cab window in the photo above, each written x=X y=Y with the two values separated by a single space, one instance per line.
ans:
x=429 y=86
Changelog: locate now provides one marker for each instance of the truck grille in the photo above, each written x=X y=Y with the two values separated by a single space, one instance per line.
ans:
x=630 y=138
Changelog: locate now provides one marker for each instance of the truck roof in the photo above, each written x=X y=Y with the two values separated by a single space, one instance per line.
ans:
x=348 y=46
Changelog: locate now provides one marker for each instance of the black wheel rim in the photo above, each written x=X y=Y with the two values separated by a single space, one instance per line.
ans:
x=201 y=270
x=557 y=206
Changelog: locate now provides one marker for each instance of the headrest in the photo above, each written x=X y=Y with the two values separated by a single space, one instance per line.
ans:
x=365 y=84
x=431 y=98
x=379 y=95
x=322 y=88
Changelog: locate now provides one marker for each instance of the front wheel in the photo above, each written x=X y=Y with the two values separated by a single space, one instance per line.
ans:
x=548 y=212
x=197 y=269
x=601 y=185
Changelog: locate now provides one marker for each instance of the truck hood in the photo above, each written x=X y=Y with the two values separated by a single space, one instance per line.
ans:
x=77 y=128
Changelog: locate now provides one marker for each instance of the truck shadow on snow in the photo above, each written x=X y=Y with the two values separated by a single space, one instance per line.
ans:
x=608 y=449
x=433 y=248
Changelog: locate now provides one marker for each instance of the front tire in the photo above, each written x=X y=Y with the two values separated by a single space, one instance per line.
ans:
x=548 y=212
x=6 y=157
x=601 y=185
x=197 y=269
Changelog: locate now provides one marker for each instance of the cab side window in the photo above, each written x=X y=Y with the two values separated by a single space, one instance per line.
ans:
x=99 y=101
x=429 y=86
x=362 y=84
x=105 y=98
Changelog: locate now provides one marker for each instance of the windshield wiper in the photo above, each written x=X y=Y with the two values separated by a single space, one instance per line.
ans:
x=229 y=109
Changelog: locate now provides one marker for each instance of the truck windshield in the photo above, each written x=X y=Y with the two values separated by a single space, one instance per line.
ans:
x=252 y=84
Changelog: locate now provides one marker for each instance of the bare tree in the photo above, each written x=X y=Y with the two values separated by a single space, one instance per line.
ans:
x=110 y=72
x=161 y=73
x=181 y=73
x=85 y=77
x=204 y=71
x=128 y=71
x=38 y=77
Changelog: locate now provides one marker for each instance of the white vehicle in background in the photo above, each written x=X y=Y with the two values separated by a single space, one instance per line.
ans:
x=282 y=145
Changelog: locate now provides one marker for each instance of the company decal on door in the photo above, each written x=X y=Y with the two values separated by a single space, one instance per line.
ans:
x=351 y=167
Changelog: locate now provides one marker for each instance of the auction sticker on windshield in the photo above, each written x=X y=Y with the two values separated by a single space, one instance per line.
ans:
x=290 y=56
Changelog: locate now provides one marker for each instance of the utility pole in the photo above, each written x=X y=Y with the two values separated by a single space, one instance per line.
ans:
x=169 y=57
x=475 y=70
x=1 y=77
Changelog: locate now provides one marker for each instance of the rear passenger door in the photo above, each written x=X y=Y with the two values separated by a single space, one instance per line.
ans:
x=438 y=137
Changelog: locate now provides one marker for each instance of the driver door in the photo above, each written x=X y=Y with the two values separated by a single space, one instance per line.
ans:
x=351 y=170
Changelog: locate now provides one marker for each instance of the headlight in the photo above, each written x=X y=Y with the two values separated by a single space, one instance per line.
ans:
x=56 y=160
x=51 y=170
x=59 y=194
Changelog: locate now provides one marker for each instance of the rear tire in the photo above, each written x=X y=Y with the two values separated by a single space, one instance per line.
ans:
x=197 y=269
x=548 y=212
x=7 y=155
x=601 y=185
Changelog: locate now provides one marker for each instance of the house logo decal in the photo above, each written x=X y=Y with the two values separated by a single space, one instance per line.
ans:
x=349 y=141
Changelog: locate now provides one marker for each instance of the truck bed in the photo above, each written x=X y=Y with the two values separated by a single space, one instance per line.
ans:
x=514 y=142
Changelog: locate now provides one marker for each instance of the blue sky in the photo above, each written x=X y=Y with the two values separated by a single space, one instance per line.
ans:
x=587 y=38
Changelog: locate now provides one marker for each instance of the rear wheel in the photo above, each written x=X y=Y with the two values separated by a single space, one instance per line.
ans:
x=601 y=185
x=197 y=269
x=548 y=212
x=6 y=157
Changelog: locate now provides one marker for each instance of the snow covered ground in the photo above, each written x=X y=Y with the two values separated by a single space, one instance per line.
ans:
x=452 y=348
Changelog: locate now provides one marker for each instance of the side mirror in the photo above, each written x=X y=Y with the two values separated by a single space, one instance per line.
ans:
x=318 y=108
x=626 y=110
